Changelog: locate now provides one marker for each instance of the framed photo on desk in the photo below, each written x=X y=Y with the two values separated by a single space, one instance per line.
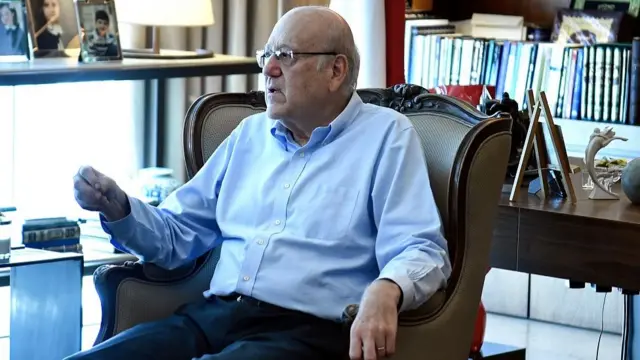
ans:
x=14 y=32
x=53 y=27
x=98 y=25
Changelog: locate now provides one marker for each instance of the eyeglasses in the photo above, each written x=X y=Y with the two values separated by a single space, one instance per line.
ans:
x=285 y=57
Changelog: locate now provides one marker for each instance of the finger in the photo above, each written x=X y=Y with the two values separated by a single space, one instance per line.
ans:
x=84 y=189
x=97 y=180
x=369 y=347
x=89 y=175
x=78 y=180
x=355 y=346
x=104 y=184
x=87 y=197
x=390 y=342
x=381 y=346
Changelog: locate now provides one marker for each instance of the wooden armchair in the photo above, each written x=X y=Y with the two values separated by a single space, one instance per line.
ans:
x=467 y=154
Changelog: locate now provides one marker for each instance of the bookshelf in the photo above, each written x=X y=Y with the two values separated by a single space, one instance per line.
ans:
x=581 y=97
x=582 y=83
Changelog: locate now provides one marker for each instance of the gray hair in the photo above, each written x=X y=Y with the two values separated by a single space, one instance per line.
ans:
x=353 y=61
x=340 y=40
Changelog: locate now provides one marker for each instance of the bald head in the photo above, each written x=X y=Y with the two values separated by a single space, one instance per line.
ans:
x=318 y=29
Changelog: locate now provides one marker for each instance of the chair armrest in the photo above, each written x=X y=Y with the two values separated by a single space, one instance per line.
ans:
x=138 y=292
x=420 y=315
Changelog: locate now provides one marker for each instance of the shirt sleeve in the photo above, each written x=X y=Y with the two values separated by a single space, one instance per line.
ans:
x=183 y=226
x=410 y=248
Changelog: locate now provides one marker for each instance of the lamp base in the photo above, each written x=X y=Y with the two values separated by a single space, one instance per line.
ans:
x=166 y=54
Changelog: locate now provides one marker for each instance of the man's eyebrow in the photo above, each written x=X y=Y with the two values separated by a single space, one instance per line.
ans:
x=277 y=46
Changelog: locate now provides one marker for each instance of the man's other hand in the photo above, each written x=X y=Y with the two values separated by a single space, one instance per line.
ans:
x=95 y=191
x=373 y=333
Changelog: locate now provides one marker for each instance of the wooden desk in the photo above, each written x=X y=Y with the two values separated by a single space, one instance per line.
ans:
x=593 y=241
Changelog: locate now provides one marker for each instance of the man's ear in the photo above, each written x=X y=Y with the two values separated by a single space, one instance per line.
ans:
x=339 y=69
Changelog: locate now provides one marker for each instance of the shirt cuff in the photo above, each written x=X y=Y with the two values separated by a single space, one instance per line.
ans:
x=406 y=286
x=122 y=230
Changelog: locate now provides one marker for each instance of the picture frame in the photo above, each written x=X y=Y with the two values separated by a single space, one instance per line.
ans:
x=15 y=41
x=557 y=157
x=98 y=26
x=587 y=27
x=549 y=146
x=53 y=27
x=545 y=138
x=631 y=7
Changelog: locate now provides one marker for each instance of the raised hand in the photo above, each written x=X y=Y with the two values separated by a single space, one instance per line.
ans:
x=95 y=191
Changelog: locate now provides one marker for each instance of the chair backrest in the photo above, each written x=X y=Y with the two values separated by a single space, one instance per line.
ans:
x=466 y=152
x=210 y=119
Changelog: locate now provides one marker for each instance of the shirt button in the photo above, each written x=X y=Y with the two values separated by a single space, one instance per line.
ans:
x=302 y=154
x=286 y=186
x=246 y=278
x=277 y=222
x=260 y=242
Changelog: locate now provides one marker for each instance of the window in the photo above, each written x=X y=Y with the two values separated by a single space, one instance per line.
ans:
x=51 y=130
x=6 y=146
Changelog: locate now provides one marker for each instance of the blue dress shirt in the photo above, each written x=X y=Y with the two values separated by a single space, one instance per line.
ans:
x=304 y=227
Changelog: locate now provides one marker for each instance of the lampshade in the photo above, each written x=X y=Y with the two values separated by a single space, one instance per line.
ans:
x=165 y=12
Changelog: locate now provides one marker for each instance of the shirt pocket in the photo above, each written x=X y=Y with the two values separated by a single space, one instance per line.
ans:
x=325 y=212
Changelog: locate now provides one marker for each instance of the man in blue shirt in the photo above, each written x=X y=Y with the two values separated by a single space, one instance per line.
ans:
x=321 y=202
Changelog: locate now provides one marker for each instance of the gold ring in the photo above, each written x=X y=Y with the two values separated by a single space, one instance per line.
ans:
x=381 y=348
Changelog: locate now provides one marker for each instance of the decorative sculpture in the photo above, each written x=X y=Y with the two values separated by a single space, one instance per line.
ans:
x=601 y=182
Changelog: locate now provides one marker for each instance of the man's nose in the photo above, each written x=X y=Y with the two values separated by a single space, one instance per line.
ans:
x=272 y=67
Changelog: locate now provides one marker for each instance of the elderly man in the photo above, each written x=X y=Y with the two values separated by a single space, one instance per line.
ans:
x=319 y=203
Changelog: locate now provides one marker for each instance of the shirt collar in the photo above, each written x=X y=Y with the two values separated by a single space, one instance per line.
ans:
x=55 y=29
x=323 y=134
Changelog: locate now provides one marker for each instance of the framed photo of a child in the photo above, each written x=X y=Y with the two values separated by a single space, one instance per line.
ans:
x=14 y=32
x=98 y=26
x=53 y=26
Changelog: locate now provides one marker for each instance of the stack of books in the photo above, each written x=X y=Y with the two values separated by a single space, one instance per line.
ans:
x=54 y=234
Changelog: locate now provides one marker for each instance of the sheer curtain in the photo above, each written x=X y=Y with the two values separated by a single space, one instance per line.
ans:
x=59 y=127
x=48 y=131
x=6 y=146
x=378 y=29
x=366 y=19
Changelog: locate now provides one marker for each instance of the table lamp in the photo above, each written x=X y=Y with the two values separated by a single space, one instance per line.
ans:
x=156 y=13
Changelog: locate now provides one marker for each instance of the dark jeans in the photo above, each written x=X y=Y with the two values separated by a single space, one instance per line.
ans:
x=230 y=329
